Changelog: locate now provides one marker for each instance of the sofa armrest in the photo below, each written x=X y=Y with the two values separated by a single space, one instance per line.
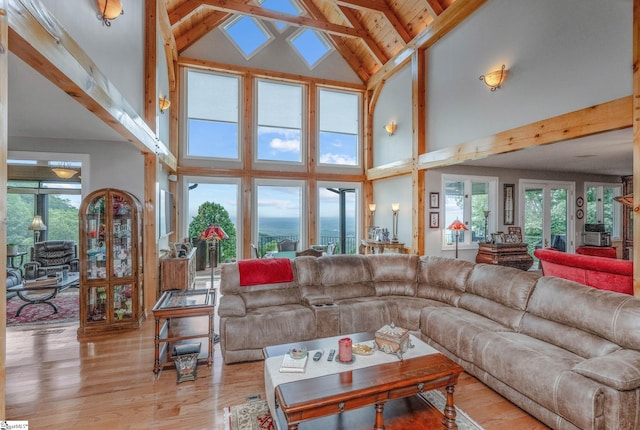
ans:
x=620 y=369
x=316 y=299
x=232 y=305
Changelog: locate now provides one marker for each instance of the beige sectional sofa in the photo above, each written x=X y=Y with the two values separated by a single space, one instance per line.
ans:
x=566 y=353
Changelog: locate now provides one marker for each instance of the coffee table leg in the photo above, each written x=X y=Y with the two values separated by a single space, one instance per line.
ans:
x=379 y=425
x=449 y=420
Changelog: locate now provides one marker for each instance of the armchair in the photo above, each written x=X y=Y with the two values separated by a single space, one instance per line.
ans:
x=50 y=257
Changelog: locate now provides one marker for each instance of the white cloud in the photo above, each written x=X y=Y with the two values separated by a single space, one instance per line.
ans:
x=330 y=158
x=285 y=145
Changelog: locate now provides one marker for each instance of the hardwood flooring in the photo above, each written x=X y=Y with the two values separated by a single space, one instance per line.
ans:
x=56 y=381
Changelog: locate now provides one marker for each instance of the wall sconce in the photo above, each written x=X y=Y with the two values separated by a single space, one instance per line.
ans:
x=163 y=103
x=495 y=79
x=109 y=10
x=372 y=210
x=395 y=207
x=391 y=128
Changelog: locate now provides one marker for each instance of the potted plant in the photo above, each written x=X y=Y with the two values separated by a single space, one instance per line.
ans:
x=12 y=249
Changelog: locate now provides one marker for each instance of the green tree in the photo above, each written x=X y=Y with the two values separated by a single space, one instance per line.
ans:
x=214 y=213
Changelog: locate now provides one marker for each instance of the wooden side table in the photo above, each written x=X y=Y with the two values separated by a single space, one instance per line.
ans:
x=181 y=304
x=375 y=247
x=505 y=254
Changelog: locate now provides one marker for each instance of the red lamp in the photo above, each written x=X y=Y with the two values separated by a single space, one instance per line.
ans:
x=457 y=226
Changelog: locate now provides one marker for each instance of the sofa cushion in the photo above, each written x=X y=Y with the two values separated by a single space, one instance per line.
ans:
x=270 y=325
x=499 y=293
x=442 y=279
x=542 y=371
x=615 y=318
x=620 y=370
x=363 y=314
x=394 y=274
x=345 y=276
x=231 y=305
x=256 y=296
x=455 y=329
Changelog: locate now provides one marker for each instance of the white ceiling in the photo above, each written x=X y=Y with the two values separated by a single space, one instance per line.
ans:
x=608 y=153
x=39 y=109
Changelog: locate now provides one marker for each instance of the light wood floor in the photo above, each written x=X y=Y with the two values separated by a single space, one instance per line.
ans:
x=55 y=381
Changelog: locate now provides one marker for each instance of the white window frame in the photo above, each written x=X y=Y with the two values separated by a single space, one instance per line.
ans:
x=202 y=161
x=304 y=220
x=335 y=168
x=468 y=180
x=298 y=166
x=616 y=234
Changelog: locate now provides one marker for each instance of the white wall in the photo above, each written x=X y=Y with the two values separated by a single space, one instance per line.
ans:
x=433 y=237
x=277 y=56
x=394 y=104
x=112 y=164
x=394 y=190
x=118 y=51
x=561 y=55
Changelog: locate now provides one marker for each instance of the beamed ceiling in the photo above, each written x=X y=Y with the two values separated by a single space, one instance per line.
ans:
x=367 y=33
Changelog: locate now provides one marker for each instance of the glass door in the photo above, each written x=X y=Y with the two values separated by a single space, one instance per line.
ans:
x=546 y=210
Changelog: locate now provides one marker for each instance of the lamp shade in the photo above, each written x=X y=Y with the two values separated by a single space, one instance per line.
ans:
x=110 y=9
x=395 y=207
x=457 y=225
x=213 y=232
x=37 y=224
x=372 y=207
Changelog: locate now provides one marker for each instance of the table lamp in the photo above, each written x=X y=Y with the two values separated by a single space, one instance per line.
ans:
x=457 y=226
x=37 y=225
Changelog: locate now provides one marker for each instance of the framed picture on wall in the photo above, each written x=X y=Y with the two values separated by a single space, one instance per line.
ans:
x=434 y=219
x=509 y=204
x=434 y=200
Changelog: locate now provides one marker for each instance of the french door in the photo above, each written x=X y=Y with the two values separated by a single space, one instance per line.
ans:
x=546 y=209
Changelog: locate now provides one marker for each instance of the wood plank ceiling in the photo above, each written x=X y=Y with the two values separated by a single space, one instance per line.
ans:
x=367 y=33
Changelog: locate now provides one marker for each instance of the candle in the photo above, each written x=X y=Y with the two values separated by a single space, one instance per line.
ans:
x=344 y=350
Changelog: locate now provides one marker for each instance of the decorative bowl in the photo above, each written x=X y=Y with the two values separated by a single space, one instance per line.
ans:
x=298 y=352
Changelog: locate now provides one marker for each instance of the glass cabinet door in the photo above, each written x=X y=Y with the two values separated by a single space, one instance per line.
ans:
x=97 y=304
x=121 y=237
x=95 y=220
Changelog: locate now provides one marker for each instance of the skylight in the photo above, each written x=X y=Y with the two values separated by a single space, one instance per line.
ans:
x=284 y=6
x=248 y=34
x=310 y=45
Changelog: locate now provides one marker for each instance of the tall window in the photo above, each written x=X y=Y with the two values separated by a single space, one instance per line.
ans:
x=279 y=214
x=214 y=200
x=279 y=121
x=339 y=128
x=212 y=115
x=338 y=215
x=466 y=198
x=602 y=209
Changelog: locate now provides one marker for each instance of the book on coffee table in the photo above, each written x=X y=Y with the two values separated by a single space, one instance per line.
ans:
x=293 y=365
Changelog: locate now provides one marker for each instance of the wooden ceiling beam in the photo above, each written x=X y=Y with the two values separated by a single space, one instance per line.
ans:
x=377 y=5
x=353 y=19
x=443 y=24
x=352 y=60
x=182 y=11
x=170 y=48
x=233 y=6
x=397 y=25
x=434 y=7
x=211 y=21
x=49 y=50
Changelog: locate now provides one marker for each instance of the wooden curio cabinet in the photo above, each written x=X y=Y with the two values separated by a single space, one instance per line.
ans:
x=111 y=275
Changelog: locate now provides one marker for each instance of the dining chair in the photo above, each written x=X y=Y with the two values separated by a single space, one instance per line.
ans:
x=287 y=245
x=254 y=251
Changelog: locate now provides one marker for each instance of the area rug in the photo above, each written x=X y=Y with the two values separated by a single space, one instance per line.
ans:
x=254 y=415
x=41 y=313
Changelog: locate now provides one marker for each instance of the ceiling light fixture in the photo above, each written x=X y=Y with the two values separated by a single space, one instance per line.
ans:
x=163 y=103
x=64 y=172
x=109 y=10
x=391 y=128
x=495 y=79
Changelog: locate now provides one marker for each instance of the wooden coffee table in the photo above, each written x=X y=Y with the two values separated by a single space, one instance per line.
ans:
x=389 y=387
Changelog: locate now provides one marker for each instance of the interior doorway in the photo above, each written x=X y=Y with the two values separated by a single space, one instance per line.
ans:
x=545 y=211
